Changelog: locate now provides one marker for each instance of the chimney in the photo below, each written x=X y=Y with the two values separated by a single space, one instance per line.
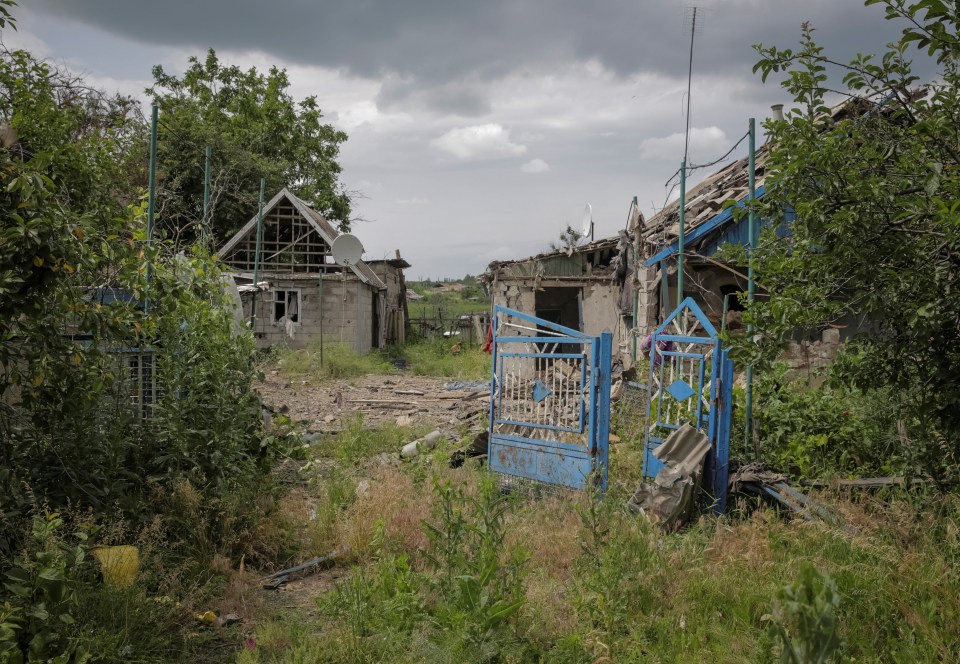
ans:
x=777 y=110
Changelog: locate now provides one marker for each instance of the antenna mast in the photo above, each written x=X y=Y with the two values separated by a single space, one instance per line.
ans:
x=693 y=31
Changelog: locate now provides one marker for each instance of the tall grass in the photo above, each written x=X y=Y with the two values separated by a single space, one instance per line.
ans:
x=441 y=358
x=602 y=583
x=336 y=361
x=445 y=358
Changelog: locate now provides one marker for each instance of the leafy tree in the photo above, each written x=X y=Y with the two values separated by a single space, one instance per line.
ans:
x=68 y=433
x=255 y=129
x=874 y=186
x=569 y=239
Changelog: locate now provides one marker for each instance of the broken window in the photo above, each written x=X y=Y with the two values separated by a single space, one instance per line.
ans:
x=141 y=382
x=286 y=305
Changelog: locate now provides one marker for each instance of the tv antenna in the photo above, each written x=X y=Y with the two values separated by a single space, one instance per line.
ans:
x=586 y=229
x=691 y=14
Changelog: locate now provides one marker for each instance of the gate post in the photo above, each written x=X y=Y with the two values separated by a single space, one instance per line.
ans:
x=602 y=441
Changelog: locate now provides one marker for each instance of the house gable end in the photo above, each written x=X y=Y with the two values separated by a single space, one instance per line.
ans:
x=294 y=239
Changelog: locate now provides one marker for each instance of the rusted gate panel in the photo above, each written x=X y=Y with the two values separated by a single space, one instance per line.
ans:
x=550 y=401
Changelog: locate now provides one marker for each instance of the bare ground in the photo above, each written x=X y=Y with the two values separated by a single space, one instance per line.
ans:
x=330 y=406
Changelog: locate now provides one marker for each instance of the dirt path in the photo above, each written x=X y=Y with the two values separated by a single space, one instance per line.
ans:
x=331 y=405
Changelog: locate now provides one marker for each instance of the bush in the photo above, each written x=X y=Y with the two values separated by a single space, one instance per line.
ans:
x=818 y=432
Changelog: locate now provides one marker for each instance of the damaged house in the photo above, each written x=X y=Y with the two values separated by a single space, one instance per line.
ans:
x=710 y=223
x=302 y=294
x=585 y=288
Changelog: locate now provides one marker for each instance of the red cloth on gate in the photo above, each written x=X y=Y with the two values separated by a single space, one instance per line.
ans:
x=488 y=344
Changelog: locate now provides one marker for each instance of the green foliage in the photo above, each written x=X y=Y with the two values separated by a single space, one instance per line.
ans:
x=34 y=622
x=465 y=296
x=816 y=432
x=355 y=442
x=876 y=233
x=78 y=427
x=256 y=129
x=805 y=618
x=479 y=583
x=339 y=361
x=443 y=358
x=437 y=358
x=615 y=569
x=466 y=604
x=569 y=238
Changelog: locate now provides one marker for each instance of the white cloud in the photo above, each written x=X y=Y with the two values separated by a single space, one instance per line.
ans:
x=486 y=141
x=706 y=142
x=535 y=166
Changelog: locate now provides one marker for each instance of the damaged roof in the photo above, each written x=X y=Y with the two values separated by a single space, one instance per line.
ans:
x=319 y=224
x=704 y=210
x=593 y=258
x=706 y=220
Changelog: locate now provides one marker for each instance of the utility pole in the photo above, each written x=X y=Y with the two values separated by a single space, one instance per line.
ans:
x=751 y=282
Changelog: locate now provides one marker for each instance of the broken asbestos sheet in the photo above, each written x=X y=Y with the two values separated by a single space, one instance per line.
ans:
x=668 y=500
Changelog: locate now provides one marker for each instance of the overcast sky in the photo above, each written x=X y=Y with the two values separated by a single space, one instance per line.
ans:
x=478 y=129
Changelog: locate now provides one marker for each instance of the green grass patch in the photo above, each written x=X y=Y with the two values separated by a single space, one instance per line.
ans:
x=603 y=583
x=442 y=358
x=356 y=443
x=438 y=358
x=337 y=361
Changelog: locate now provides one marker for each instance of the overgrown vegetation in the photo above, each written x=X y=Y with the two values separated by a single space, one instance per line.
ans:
x=828 y=430
x=125 y=388
x=875 y=234
x=127 y=415
x=447 y=299
x=579 y=579
x=255 y=129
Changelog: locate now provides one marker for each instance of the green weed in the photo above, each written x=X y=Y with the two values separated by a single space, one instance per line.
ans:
x=356 y=443
x=338 y=361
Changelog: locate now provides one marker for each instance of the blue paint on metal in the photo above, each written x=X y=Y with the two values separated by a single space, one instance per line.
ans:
x=700 y=355
x=541 y=339
x=603 y=367
x=690 y=306
x=681 y=390
x=672 y=353
x=537 y=425
x=548 y=447
x=700 y=231
x=556 y=327
x=537 y=443
x=540 y=391
x=567 y=356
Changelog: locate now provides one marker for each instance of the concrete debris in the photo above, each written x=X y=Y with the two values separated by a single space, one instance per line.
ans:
x=229 y=619
x=417 y=447
x=363 y=489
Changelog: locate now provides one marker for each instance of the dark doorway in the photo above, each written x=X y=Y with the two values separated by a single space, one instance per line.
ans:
x=733 y=301
x=560 y=305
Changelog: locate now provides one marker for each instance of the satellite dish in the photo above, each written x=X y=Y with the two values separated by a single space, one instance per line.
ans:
x=346 y=249
x=587 y=229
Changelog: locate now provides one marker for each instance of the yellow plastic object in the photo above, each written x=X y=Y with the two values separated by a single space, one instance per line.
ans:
x=119 y=564
x=207 y=617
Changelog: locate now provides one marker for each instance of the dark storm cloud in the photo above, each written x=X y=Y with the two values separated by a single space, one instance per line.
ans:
x=431 y=43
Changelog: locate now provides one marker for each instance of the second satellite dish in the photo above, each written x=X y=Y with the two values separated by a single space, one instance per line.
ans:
x=346 y=249
x=587 y=231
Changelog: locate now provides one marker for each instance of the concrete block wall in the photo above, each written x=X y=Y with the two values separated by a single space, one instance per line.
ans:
x=346 y=313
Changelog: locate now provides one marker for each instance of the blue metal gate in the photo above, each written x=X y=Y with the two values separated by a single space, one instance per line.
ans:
x=549 y=401
x=691 y=381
